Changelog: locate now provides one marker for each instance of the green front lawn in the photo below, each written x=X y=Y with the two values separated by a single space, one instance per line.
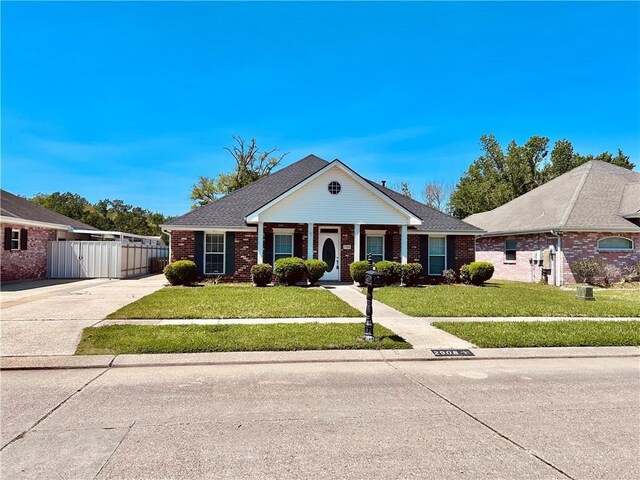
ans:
x=508 y=299
x=121 y=339
x=546 y=334
x=237 y=301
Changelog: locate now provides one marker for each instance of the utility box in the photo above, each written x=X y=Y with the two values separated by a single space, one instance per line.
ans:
x=584 y=292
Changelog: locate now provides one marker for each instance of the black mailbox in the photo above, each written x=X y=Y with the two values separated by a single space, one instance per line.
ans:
x=373 y=278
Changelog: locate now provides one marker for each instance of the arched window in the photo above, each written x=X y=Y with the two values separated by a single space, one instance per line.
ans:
x=615 y=244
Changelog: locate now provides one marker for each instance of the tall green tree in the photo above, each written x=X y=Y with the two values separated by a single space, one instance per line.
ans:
x=498 y=177
x=114 y=215
x=251 y=165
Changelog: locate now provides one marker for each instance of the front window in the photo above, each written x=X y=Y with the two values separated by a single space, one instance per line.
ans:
x=375 y=247
x=510 y=247
x=282 y=246
x=615 y=243
x=437 y=255
x=214 y=254
x=15 y=239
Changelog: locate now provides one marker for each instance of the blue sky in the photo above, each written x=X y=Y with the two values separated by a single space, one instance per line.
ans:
x=136 y=100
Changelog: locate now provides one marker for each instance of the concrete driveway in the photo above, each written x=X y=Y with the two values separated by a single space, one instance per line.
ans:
x=46 y=317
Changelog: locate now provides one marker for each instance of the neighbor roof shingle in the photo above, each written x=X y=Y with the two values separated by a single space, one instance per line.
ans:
x=17 y=207
x=231 y=210
x=589 y=197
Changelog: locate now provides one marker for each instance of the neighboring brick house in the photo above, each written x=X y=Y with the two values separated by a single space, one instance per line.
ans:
x=592 y=211
x=318 y=209
x=25 y=229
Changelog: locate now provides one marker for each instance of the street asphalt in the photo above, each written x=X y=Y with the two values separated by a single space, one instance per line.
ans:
x=505 y=419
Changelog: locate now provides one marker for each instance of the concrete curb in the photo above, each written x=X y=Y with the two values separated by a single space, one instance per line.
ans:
x=309 y=356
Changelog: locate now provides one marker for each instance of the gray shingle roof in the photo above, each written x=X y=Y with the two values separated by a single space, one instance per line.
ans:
x=231 y=210
x=589 y=197
x=432 y=219
x=17 y=207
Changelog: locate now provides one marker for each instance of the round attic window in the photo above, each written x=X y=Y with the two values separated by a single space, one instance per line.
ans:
x=334 y=188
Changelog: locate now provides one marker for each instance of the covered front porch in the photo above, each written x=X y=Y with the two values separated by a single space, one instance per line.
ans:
x=338 y=245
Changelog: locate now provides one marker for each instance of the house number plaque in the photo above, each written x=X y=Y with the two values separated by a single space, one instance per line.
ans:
x=451 y=352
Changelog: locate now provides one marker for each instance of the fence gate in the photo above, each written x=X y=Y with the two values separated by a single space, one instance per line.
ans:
x=89 y=259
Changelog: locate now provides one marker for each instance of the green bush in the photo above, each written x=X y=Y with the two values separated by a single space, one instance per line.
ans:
x=411 y=273
x=449 y=276
x=480 y=272
x=315 y=270
x=290 y=270
x=261 y=274
x=392 y=271
x=587 y=269
x=182 y=272
x=465 y=274
x=357 y=270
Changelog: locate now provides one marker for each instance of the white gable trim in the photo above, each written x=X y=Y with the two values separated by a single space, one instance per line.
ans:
x=254 y=216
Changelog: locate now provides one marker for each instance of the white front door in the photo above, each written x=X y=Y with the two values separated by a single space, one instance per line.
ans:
x=329 y=252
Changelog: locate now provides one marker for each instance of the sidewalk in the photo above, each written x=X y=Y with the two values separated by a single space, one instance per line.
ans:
x=417 y=331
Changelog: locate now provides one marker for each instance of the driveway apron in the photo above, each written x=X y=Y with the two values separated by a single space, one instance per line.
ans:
x=46 y=317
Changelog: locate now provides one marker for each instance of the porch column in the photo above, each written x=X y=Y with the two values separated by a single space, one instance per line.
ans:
x=356 y=242
x=403 y=244
x=260 y=241
x=309 y=241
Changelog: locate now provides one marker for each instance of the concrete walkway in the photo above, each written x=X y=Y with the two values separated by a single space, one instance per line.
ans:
x=417 y=331
x=46 y=317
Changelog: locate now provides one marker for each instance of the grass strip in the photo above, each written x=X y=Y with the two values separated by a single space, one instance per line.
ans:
x=507 y=299
x=237 y=301
x=578 y=333
x=121 y=339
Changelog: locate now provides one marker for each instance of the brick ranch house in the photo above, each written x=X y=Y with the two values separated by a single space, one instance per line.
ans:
x=592 y=211
x=318 y=209
x=26 y=228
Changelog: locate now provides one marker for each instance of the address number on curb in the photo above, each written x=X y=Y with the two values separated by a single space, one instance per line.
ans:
x=453 y=353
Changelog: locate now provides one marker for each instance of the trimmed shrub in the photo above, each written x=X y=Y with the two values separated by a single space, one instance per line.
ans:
x=290 y=270
x=315 y=270
x=587 y=270
x=632 y=273
x=357 y=270
x=465 y=274
x=411 y=273
x=610 y=274
x=480 y=272
x=392 y=271
x=261 y=274
x=449 y=276
x=182 y=272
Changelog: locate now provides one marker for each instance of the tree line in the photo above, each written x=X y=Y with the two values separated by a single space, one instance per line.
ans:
x=109 y=215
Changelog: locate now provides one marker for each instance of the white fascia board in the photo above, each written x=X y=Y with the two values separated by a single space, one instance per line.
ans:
x=192 y=228
x=106 y=232
x=254 y=216
x=33 y=223
x=562 y=230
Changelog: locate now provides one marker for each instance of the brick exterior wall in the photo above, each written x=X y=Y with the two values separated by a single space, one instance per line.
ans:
x=575 y=246
x=465 y=251
x=29 y=263
x=246 y=248
x=183 y=244
x=585 y=245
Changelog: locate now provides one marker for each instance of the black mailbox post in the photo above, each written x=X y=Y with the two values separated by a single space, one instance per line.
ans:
x=372 y=279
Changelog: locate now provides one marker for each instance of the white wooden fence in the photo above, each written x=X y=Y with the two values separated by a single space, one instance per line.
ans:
x=85 y=259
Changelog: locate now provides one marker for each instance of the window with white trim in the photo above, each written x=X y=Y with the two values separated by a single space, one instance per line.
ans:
x=282 y=246
x=375 y=246
x=615 y=244
x=437 y=255
x=510 y=248
x=15 y=239
x=214 y=254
